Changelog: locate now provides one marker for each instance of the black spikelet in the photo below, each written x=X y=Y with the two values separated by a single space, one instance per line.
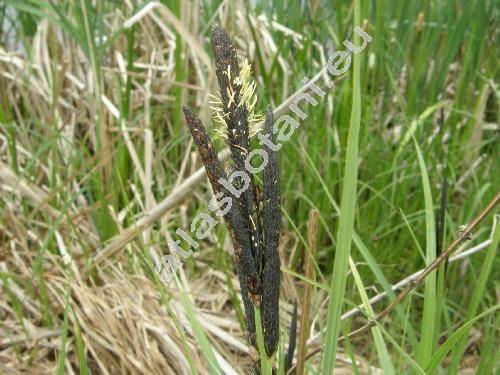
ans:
x=271 y=275
x=234 y=220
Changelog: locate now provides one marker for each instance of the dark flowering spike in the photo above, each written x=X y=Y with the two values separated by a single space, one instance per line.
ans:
x=206 y=149
x=292 y=338
x=245 y=266
x=234 y=220
x=235 y=114
x=271 y=191
x=225 y=60
x=271 y=276
x=248 y=305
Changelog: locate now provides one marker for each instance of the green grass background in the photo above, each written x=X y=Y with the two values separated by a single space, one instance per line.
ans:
x=430 y=73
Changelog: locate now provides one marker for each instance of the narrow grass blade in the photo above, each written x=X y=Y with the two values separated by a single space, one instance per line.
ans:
x=305 y=279
x=477 y=295
x=440 y=354
x=350 y=351
x=347 y=209
x=382 y=352
x=414 y=126
x=400 y=350
x=265 y=363
x=427 y=332
x=80 y=347
x=201 y=338
x=489 y=353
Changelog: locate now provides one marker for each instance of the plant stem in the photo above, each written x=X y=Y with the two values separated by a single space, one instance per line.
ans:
x=265 y=366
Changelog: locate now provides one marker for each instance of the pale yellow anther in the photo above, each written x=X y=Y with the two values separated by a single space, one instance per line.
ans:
x=247 y=98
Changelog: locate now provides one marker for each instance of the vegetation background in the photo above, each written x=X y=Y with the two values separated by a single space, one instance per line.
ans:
x=97 y=171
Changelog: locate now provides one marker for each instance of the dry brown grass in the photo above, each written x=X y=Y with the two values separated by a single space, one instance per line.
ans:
x=125 y=325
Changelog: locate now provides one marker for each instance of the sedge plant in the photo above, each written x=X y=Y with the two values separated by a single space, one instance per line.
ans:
x=253 y=219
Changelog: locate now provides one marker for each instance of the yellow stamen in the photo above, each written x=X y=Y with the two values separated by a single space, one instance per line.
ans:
x=247 y=99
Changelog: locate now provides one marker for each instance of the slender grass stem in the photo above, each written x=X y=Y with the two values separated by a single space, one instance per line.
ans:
x=265 y=362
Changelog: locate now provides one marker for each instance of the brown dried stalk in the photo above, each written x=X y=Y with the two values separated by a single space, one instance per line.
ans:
x=306 y=303
x=256 y=251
